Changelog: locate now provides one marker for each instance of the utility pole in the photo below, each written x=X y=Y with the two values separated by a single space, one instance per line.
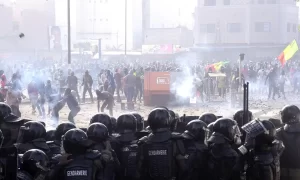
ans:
x=125 y=28
x=69 y=32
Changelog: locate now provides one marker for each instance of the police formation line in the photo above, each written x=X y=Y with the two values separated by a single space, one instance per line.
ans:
x=169 y=148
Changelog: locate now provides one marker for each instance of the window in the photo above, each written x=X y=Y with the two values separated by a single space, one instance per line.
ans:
x=234 y=27
x=262 y=27
x=210 y=2
x=211 y=28
x=261 y=1
x=288 y=27
x=294 y=28
x=203 y=28
x=207 y=28
x=226 y=2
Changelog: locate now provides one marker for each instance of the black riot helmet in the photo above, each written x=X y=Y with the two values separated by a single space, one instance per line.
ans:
x=139 y=121
x=208 y=118
x=196 y=130
x=50 y=135
x=34 y=161
x=229 y=129
x=104 y=119
x=30 y=131
x=126 y=123
x=268 y=136
x=62 y=128
x=114 y=124
x=6 y=113
x=290 y=114
x=239 y=117
x=159 y=119
x=75 y=141
x=97 y=132
x=5 y=110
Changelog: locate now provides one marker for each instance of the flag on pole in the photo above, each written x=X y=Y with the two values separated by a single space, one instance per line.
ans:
x=216 y=66
x=288 y=52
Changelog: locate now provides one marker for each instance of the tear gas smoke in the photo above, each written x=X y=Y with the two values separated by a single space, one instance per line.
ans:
x=182 y=82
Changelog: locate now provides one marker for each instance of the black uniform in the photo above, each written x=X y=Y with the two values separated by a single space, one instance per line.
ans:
x=32 y=136
x=263 y=158
x=34 y=165
x=10 y=125
x=290 y=136
x=157 y=153
x=222 y=156
x=127 y=146
x=106 y=120
x=85 y=164
x=61 y=129
x=99 y=137
x=196 y=152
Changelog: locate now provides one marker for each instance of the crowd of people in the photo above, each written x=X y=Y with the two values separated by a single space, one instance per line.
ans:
x=161 y=146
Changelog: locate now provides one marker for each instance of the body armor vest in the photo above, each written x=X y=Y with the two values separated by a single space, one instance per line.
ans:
x=195 y=161
x=81 y=168
x=23 y=175
x=128 y=153
x=159 y=158
x=290 y=158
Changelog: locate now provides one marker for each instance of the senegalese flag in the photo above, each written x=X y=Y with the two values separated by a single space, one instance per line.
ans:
x=288 y=52
x=216 y=66
x=219 y=65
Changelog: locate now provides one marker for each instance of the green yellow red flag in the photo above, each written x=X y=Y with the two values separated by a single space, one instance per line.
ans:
x=288 y=52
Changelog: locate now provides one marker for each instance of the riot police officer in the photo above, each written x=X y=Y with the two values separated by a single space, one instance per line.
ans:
x=105 y=119
x=98 y=135
x=32 y=136
x=61 y=129
x=9 y=124
x=196 y=151
x=82 y=164
x=290 y=136
x=34 y=165
x=208 y=118
x=127 y=146
x=263 y=157
x=239 y=117
x=140 y=126
x=222 y=155
x=157 y=153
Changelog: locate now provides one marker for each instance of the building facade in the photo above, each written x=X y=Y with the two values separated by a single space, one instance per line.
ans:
x=167 y=22
x=105 y=20
x=246 y=22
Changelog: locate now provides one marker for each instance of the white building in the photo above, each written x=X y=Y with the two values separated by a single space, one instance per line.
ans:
x=31 y=17
x=246 y=21
x=105 y=20
x=163 y=21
